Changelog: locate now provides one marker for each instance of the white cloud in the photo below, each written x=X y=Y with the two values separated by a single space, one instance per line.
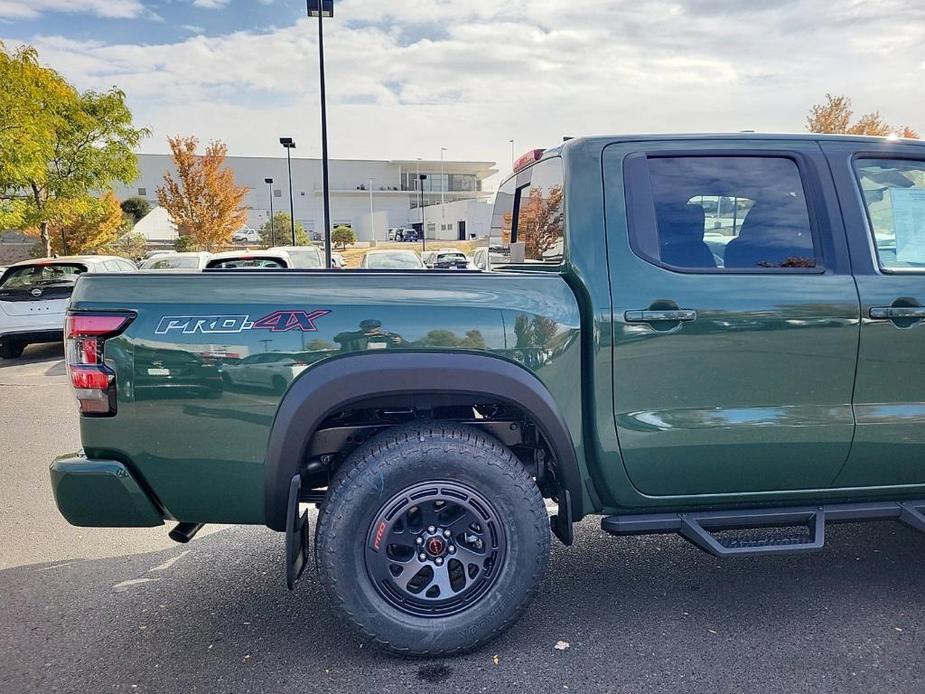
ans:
x=210 y=4
x=408 y=76
x=31 y=9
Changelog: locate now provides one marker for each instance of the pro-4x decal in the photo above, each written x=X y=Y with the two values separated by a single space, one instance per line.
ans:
x=277 y=322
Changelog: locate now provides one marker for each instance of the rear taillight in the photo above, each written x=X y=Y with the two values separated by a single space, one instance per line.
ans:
x=93 y=381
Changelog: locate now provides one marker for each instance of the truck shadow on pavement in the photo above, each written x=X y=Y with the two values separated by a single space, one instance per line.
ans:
x=637 y=614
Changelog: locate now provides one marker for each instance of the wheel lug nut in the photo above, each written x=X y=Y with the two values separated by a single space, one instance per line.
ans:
x=438 y=561
x=422 y=556
x=447 y=533
x=431 y=529
x=419 y=541
x=451 y=549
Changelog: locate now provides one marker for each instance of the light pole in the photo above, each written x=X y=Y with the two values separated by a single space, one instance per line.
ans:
x=322 y=9
x=269 y=182
x=421 y=179
x=289 y=144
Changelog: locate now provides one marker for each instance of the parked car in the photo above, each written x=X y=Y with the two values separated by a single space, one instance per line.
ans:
x=743 y=403
x=392 y=260
x=337 y=260
x=272 y=370
x=485 y=258
x=402 y=234
x=177 y=262
x=250 y=260
x=34 y=295
x=151 y=254
x=451 y=260
x=246 y=235
x=174 y=373
x=303 y=257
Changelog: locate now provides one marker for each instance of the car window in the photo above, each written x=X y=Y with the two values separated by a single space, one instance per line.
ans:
x=894 y=195
x=306 y=259
x=186 y=262
x=730 y=212
x=532 y=215
x=246 y=263
x=26 y=276
x=395 y=261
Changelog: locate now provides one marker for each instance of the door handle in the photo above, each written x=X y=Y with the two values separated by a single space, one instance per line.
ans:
x=661 y=315
x=897 y=312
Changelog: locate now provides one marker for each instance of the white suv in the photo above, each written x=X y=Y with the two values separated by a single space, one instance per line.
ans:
x=34 y=295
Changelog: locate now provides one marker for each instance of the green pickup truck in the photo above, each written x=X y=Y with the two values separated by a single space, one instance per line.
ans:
x=716 y=336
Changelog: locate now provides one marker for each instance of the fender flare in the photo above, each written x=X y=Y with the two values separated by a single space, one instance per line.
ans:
x=335 y=384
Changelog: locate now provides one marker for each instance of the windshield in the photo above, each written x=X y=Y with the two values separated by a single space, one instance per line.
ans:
x=405 y=260
x=305 y=258
x=245 y=263
x=172 y=263
x=27 y=276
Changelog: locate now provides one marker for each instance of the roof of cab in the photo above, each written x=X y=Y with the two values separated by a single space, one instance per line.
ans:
x=745 y=135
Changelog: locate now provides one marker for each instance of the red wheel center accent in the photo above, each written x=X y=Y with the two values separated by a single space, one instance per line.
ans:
x=435 y=546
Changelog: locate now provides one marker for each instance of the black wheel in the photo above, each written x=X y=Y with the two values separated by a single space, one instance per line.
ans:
x=433 y=539
x=10 y=349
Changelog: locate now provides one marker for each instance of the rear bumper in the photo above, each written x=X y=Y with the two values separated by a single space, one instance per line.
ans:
x=32 y=336
x=100 y=493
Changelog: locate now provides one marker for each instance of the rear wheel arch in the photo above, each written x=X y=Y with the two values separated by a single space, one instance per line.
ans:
x=336 y=384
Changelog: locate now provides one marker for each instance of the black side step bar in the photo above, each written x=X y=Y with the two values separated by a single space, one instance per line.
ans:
x=698 y=527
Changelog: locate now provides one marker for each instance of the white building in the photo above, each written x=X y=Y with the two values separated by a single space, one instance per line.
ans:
x=370 y=196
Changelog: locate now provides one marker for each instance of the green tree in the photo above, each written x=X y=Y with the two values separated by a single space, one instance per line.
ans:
x=343 y=236
x=136 y=208
x=57 y=145
x=281 y=233
x=131 y=245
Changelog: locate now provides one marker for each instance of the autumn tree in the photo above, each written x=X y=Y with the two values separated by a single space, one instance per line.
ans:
x=203 y=200
x=86 y=228
x=835 y=116
x=58 y=146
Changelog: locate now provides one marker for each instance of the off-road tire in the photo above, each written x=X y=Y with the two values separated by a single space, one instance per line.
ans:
x=394 y=461
x=11 y=349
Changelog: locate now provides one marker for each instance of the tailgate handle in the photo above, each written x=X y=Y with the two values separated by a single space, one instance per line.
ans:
x=894 y=312
x=654 y=316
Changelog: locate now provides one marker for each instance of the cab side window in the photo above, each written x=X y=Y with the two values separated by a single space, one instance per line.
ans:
x=732 y=213
x=529 y=216
x=894 y=195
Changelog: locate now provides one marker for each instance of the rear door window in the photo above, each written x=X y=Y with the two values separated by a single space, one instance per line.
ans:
x=715 y=213
x=894 y=196
x=529 y=215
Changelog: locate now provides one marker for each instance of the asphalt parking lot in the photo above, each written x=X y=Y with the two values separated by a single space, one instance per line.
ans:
x=129 y=611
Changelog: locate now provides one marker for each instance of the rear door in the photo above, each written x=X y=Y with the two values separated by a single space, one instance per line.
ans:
x=882 y=189
x=735 y=316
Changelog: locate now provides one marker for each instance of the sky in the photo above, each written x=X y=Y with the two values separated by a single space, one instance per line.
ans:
x=407 y=77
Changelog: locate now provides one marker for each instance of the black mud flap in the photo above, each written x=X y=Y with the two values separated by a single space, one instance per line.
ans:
x=296 y=535
x=561 y=523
